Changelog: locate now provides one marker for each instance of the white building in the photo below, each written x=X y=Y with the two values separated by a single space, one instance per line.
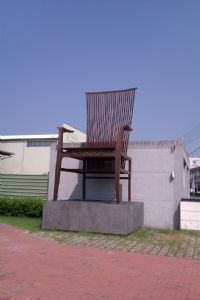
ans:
x=25 y=171
x=32 y=152
x=194 y=162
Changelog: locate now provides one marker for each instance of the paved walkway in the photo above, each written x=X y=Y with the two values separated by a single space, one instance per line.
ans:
x=35 y=268
x=173 y=244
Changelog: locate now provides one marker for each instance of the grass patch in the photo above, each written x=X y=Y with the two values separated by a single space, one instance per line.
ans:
x=180 y=243
x=179 y=233
x=30 y=224
x=173 y=238
x=143 y=234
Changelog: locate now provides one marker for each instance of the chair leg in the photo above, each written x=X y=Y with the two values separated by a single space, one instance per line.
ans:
x=84 y=181
x=117 y=180
x=57 y=177
x=129 y=181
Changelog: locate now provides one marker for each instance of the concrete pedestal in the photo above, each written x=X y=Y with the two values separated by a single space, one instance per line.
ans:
x=93 y=216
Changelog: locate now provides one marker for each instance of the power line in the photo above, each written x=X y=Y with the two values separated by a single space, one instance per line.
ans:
x=191 y=135
x=197 y=131
x=192 y=139
x=193 y=130
x=194 y=151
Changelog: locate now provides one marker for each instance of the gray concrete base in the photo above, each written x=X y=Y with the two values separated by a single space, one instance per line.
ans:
x=93 y=216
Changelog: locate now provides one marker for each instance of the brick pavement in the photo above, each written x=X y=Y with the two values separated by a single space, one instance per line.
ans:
x=35 y=268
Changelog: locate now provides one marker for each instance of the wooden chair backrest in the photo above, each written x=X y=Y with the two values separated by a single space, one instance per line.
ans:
x=107 y=113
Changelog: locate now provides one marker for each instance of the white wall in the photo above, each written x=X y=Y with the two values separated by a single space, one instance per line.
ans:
x=32 y=160
x=190 y=215
x=26 y=160
x=152 y=164
x=14 y=164
x=36 y=160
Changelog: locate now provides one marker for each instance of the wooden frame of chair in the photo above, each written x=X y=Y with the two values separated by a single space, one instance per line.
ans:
x=109 y=117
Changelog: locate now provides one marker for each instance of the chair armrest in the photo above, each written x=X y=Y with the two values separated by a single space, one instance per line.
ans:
x=64 y=129
x=61 y=131
x=121 y=131
x=120 y=136
x=127 y=128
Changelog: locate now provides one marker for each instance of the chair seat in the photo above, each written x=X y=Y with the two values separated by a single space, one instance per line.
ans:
x=83 y=149
x=84 y=153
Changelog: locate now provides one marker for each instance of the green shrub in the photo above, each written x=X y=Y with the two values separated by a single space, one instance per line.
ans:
x=21 y=206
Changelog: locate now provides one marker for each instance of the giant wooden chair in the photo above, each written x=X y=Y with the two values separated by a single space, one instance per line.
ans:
x=104 y=156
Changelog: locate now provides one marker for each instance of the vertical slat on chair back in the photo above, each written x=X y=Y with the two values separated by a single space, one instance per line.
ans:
x=107 y=112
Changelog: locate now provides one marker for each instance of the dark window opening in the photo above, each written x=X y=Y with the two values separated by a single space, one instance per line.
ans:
x=38 y=143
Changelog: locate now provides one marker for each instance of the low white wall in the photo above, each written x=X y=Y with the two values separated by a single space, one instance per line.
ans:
x=190 y=215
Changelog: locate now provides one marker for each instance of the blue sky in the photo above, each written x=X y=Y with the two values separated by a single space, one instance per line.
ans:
x=51 y=52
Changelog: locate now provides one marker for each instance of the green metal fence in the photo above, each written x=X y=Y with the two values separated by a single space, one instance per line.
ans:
x=23 y=185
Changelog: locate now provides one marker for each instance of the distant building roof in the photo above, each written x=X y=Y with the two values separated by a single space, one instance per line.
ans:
x=77 y=136
x=66 y=125
x=28 y=137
